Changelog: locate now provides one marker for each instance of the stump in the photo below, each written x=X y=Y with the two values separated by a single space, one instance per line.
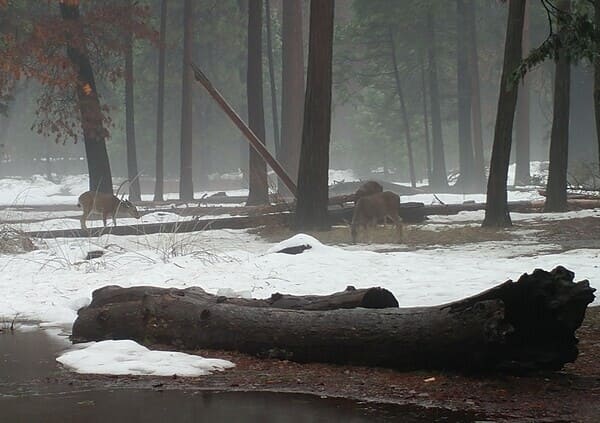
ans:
x=525 y=325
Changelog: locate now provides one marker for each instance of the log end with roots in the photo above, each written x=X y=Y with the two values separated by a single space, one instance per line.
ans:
x=518 y=326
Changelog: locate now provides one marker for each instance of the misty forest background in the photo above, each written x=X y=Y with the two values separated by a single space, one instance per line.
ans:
x=382 y=48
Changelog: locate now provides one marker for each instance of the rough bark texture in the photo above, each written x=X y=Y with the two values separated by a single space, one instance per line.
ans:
x=273 y=85
x=425 y=116
x=313 y=175
x=522 y=325
x=186 y=183
x=496 y=211
x=132 y=167
x=160 y=108
x=94 y=133
x=438 y=177
x=257 y=168
x=292 y=88
x=466 y=181
x=597 y=80
x=399 y=91
x=556 y=189
x=522 y=172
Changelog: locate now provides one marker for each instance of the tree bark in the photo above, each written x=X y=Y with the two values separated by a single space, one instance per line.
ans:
x=556 y=188
x=409 y=150
x=313 y=176
x=186 y=183
x=527 y=325
x=496 y=211
x=292 y=88
x=466 y=181
x=425 y=117
x=439 y=178
x=597 y=79
x=94 y=133
x=276 y=139
x=160 y=109
x=258 y=184
x=132 y=167
x=522 y=171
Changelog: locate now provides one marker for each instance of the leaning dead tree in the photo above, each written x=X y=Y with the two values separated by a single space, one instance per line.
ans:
x=524 y=325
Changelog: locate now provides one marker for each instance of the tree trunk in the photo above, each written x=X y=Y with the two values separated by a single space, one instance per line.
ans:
x=94 y=133
x=597 y=79
x=313 y=175
x=258 y=184
x=132 y=167
x=425 y=117
x=496 y=211
x=292 y=88
x=160 y=109
x=556 y=189
x=439 y=179
x=522 y=158
x=411 y=163
x=276 y=140
x=186 y=183
x=478 y=159
x=527 y=325
x=466 y=181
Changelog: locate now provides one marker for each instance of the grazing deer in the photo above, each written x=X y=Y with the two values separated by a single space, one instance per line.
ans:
x=366 y=189
x=379 y=206
x=104 y=204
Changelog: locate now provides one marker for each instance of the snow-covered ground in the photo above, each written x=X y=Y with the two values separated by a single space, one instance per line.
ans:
x=50 y=284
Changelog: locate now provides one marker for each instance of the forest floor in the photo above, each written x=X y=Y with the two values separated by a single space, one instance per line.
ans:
x=571 y=395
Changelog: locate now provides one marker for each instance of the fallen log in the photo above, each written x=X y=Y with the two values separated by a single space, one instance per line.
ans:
x=524 y=325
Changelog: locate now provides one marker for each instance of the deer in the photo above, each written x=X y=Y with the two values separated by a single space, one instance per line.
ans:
x=372 y=208
x=366 y=189
x=105 y=204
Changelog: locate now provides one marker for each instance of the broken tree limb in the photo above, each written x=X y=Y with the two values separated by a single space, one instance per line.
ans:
x=255 y=142
x=523 y=325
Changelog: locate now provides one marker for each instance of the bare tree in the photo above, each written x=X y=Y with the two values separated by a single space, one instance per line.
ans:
x=160 y=109
x=132 y=167
x=522 y=171
x=311 y=210
x=186 y=183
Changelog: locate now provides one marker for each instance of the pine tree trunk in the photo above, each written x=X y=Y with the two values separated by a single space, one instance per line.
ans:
x=274 y=110
x=313 y=175
x=597 y=79
x=160 y=109
x=94 y=133
x=439 y=178
x=425 y=117
x=132 y=168
x=258 y=185
x=292 y=89
x=478 y=159
x=409 y=151
x=556 y=189
x=465 y=144
x=186 y=183
x=496 y=211
x=522 y=172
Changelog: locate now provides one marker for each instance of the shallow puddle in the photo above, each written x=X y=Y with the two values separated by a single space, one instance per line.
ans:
x=30 y=392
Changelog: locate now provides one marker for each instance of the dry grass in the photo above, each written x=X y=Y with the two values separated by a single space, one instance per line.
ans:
x=412 y=236
x=14 y=241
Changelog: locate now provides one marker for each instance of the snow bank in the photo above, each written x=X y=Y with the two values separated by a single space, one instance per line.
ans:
x=127 y=357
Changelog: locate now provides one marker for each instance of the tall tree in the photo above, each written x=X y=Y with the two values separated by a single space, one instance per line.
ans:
x=478 y=159
x=399 y=91
x=425 y=115
x=132 y=167
x=438 y=175
x=596 y=62
x=496 y=209
x=186 y=183
x=273 y=85
x=292 y=87
x=556 y=189
x=94 y=133
x=160 y=108
x=313 y=175
x=258 y=185
x=466 y=180
x=522 y=171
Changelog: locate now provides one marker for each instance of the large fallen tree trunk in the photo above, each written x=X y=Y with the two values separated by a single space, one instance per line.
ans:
x=528 y=324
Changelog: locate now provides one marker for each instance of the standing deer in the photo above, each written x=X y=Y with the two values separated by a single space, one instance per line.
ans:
x=379 y=206
x=104 y=204
x=366 y=189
